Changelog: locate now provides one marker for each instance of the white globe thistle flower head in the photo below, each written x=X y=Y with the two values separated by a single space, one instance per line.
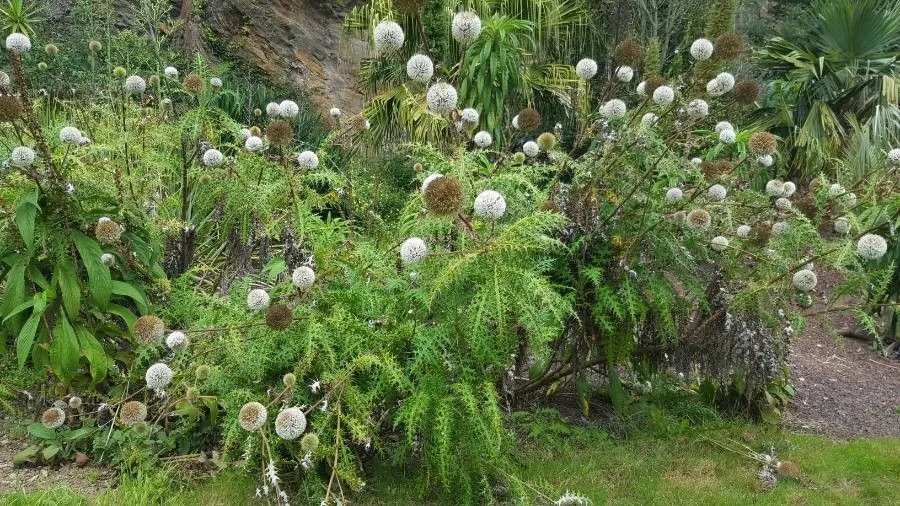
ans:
x=253 y=143
x=648 y=120
x=775 y=188
x=714 y=88
x=780 y=227
x=469 y=115
x=466 y=27
x=625 y=74
x=108 y=259
x=723 y=125
x=158 y=376
x=258 y=299
x=290 y=423
x=789 y=189
x=697 y=108
x=431 y=177
x=215 y=82
x=641 y=88
x=165 y=104
x=782 y=204
x=335 y=112
x=252 y=416
x=483 y=139
x=871 y=247
x=303 y=277
x=413 y=250
x=726 y=81
x=515 y=122
x=701 y=49
x=441 y=98
x=727 y=136
x=842 y=225
x=22 y=156
x=84 y=141
x=212 y=158
x=719 y=243
x=69 y=135
x=18 y=43
x=696 y=161
x=245 y=133
x=289 y=109
x=717 y=193
x=531 y=149
x=848 y=199
x=663 y=95
x=743 y=231
x=171 y=72
x=490 y=205
x=134 y=85
x=614 y=109
x=674 y=195
x=308 y=160
x=420 y=68
x=176 y=340
x=273 y=109
x=586 y=68
x=894 y=156
x=765 y=160
x=387 y=37
x=835 y=190
x=805 y=280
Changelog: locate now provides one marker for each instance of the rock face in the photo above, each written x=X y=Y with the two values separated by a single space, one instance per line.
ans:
x=297 y=42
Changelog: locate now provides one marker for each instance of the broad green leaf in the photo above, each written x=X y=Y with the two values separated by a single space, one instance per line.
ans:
x=69 y=286
x=26 y=212
x=39 y=431
x=80 y=433
x=126 y=290
x=99 y=280
x=18 y=309
x=49 y=452
x=94 y=353
x=25 y=455
x=64 y=350
x=25 y=339
x=14 y=292
x=123 y=313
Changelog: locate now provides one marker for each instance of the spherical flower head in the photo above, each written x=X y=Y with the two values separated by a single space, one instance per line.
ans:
x=75 y=402
x=108 y=259
x=212 y=158
x=257 y=299
x=715 y=88
x=729 y=46
x=273 y=109
x=279 y=317
x=149 y=329
x=727 y=136
x=726 y=81
x=309 y=443
x=762 y=143
x=469 y=115
x=171 y=72
x=303 y=277
x=775 y=188
x=696 y=161
x=701 y=49
x=132 y=413
x=252 y=416
x=413 y=250
x=490 y=205
x=871 y=247
x=290 y=423
x=334 y=112
x=18 y=43
x=546 y=141
x=51 y=50
x=22 y=156
x=165 y=104
x=628 y=52
x=586 y=68
x=625 y=74
x=42 y=66
x=153 y=80
x=719 y=243
x=483 y=139
x=842 y=225
x=697 y=108
x=780 y=227
x=443 y=196
x=420 y=68
x=782 y=204
x=441 y=98
x=120 y=72
x=766 y=160
x=847 y=200
x=107 y=231
x=746 y=91
x=789 y=189
x=215 y=82
x=614 y=109
x=158 y=376
x=253 y=143
x=723 y=125
x=308 y=160
x=10 y=105
x=528 y=120
x=176 y=340
x=531 y=149
x=289 y=380
x=699 y=219
x=69 y=135
x=894 y=156
x=519 y=157
x=466 y=27
x=289 y=109
x=641 y=88
x=279 y=132
x=743 y=231
x=193 y=83
x=674 y=195
x=53 y=418
x=387 y=37
x=649 y=119
x=835 y=190
x=663 y=95
x=429 y=179
x=805 y=280
x=95 y=45
x=717 y=193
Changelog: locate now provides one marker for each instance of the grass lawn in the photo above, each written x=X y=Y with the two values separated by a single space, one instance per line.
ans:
x=682 y=469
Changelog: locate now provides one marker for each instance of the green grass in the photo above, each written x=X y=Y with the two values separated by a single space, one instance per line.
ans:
x=670 y=470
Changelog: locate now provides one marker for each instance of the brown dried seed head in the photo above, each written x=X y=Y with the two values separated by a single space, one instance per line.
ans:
x=107 y=232
x=746 y=91
x=729 y=46
x=193 y=83
x=279 y=317
x=762 y=143
x=529 y=119
x=10 y=108
x=651 y=84
x=149 y=329
x=443 y=196
x=628 y=52
x=279 y=132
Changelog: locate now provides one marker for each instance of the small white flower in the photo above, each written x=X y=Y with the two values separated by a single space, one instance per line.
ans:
x=413 y=250
x=388 y=37
x=18 y=42
x=490 y=204
x=723 y=125
x=641 y=88
x=335 y=112
x=176 y=340
x=466 y=27
x=775 y=188
x=743 y=231
x=663 y=95
x=257 y=299
x=894 y=156
x=273 y=109
x=727 y=136
x=614 y=109
x=483 y=139
x=431 y=177
x=212 y=158
x=531 y=149
x=842 y=225
x=871 y=247
x=308 y=160
x=765 y=160
x=780 y=227
x=69 y=135
x=789 y=188
x=253 y=143
x=717 y=193
x=441 y=98
x=158 y=376
x=586 y=68
x=215 y=82
x=701 y=49
x=289 y=109
x=22 y=156
x=674 y=195
x=719 y=243
x=782 y=204
x=171 y=72
x=625 y=74
x=303 y=277
x=420 y=68
x=290 y=423
x=135 y=85
x=108 y=259
x=469 y=116
x=697 y=108
x=649 y=119
x=805 y=280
